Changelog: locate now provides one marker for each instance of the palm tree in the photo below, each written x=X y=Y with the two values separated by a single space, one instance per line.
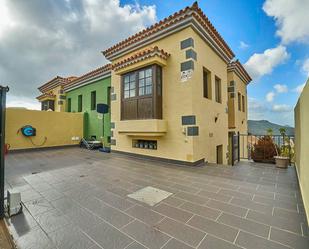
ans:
x=282 y=131
x=269 y=131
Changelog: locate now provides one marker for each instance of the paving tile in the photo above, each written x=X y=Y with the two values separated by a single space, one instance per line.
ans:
x=38 y=206
x=185 y=188
x=173 y=201
x=276 y=203
x=252 y=205
x=205 y=186
x=224 y=185
x=35 y=239
x=288 y=214
x=65 y=205
x=245 y=224
x=237 y=194
x=214 y=196
x=228 y=208
x=257 y=192
x=146 y=235
x=114 y=200
x=175 y=244
x=108 y=213
x=201 y=210
x=212 y=227
x=283 y=223
x=145 y=214
x=180 y=231
x=251 y=241
x=30 y=195
x=71 y=237
x=134 y=245
x=108 y=237
x=289 y=239
x=192 y=198
x=52 y=194
x=173 y=212
x=52 y=220
x=211 y=242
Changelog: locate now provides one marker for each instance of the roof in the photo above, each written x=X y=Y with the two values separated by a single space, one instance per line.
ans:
x=57 y=81
x=94 y=74
x=140 y=56
x=46 y=95
x=194 y=14
x=237 y=67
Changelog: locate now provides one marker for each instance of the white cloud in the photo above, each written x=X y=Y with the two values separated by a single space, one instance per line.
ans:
x=243 y=45
x=305 y=66
x=299 y=88
x=291 y=18
x=63 y=37
x=270 y=97
x=281 y=108
x=28 y=103
x=259 y=65
x=281 y=88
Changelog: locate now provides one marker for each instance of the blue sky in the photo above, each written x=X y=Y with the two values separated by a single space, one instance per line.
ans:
x=42 y=39
x=246 y=21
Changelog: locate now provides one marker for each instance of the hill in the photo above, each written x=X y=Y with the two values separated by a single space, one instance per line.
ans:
x=259 y=127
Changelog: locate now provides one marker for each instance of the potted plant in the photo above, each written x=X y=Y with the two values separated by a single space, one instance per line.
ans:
x=283 y=155
x=264 y=150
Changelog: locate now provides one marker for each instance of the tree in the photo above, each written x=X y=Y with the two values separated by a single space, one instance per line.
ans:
x=269 y=131
x=282 y=131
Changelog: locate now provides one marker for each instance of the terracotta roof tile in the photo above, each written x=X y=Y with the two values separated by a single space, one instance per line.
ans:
x=194 y=11
x=57 y=81
x=88 y=76
x=237 y=67
x=44 y=95
x=141 y=55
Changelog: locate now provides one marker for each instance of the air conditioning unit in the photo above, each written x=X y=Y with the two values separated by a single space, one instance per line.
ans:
x=14 y=202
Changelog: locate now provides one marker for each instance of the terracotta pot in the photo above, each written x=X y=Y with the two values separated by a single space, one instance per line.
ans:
x=282 y=162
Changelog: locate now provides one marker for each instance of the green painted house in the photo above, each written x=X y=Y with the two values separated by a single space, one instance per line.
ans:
x=83 y=94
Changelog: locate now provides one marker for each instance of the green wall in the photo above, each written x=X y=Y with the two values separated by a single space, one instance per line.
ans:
x=93 y=122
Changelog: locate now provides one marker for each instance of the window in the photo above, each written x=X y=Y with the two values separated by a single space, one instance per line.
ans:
x=145 y=82
x=207 y=84
x=93 y=100
x=80 y=103
x=239 y=102
x=218 y=90
x=69 y=105
x=109 y=97
x=129 y=85
x=243 y=103
x=48 y=105
x=141 y=94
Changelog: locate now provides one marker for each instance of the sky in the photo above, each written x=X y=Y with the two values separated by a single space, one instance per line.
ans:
x=42 y=39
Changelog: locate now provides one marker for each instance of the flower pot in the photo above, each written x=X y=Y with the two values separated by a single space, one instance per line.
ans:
x=282 y=162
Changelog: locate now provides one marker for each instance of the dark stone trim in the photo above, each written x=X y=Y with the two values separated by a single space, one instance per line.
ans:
x=43 y=148
x=191 y=54
x=187 y=43
x=193 y=131
x=187 y=65
x=113 y=97
x=112 y=125
x=113 y=142
x=198 y=163
x=112 y=89
x=188 y=120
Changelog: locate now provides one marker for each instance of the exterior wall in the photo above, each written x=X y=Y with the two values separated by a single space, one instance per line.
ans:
x=182 y=99
x=93 y=121
x=302 y=144
x=59 y=107
x=58 y=128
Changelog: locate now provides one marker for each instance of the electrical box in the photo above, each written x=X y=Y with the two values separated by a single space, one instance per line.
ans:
x=14 y=202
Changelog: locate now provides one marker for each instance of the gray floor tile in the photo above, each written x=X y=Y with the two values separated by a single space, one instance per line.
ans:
x=251 y=241
x=214 y=228
x=52 y=194
x=289 y=239
x=38 y=206
x=211 y=242
x=173 y=212
x=245 y=224
x=175 y=244
x=228 y=208
x=146 y=235
x=145 y=214
x=215 y=196
x=192 y=198
x=276 y=203
x=201 y=210
x=52 y=220
x=173 y=201
x=70 y=237
x=35 y=239
x=263 y=208
x=181 y=231
x=237 y=194
x=109 y=237
x=135 y=245
x=114 y=200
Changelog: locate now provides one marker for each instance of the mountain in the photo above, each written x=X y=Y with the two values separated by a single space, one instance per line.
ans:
x=259 y=127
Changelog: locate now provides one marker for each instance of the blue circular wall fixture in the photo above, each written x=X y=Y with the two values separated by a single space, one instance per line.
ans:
x=28 y=131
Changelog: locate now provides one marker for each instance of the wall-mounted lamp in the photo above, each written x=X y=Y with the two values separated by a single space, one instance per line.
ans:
x=216 y=117
x=243 y=121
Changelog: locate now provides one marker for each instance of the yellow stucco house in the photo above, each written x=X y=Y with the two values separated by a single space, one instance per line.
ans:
x=53 y=96
x=177 y=94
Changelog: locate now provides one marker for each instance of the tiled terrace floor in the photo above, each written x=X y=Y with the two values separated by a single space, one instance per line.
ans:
x=78 y=199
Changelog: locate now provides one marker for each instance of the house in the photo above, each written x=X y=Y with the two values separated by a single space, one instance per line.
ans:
x=176 y=92
x=53 y=97
x=83 y=94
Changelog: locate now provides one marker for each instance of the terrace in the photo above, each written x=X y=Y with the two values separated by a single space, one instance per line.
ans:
x=75 y=198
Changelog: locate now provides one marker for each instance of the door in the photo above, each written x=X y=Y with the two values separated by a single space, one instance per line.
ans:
x=220 y=154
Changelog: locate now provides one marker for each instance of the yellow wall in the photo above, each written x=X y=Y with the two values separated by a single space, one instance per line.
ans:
x=181 y=99
x=302 y=144
x=57 y=127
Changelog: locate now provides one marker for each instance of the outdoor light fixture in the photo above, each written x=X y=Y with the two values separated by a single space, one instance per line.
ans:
x=217 y=117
